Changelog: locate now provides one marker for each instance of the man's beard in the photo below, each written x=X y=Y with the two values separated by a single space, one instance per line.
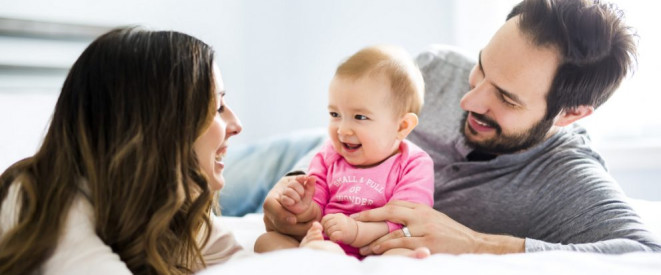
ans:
x=504 y=143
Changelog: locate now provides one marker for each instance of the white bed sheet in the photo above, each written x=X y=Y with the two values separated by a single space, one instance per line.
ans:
x=305 y=261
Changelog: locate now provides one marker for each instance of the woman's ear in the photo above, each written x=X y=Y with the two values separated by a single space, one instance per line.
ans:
x=568 y=116
x=406 y=125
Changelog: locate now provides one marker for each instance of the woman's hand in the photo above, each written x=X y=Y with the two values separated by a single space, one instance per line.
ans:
x=434 y=230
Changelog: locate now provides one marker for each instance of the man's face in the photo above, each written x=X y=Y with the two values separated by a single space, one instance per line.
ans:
x=506 y=105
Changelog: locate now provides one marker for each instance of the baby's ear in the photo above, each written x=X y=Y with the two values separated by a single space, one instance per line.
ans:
x=406 y=125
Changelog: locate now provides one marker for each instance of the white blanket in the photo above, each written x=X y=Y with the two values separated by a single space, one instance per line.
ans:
x=305 y=261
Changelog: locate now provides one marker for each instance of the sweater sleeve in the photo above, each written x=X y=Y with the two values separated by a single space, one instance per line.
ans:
x=614 y=246
x=80 y=250
x=583 y=209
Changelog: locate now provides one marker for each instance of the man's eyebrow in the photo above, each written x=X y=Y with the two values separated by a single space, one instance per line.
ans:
x=507 y=94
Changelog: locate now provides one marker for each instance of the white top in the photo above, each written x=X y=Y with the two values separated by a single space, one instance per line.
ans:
x=81 y=251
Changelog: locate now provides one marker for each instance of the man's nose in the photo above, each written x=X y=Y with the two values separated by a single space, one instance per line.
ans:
x=477 y=99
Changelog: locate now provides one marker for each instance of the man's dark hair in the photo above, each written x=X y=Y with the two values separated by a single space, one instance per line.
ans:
x=597 y=50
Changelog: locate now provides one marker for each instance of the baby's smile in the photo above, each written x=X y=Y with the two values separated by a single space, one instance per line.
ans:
x=350 y=146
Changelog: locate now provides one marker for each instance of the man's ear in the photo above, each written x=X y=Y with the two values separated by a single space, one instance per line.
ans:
x=406 y=125
x=568 y=116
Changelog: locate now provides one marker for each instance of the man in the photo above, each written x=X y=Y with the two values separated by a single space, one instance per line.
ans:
x=512 y=172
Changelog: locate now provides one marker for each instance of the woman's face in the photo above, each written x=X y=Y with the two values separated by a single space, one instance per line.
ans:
x=211 y=146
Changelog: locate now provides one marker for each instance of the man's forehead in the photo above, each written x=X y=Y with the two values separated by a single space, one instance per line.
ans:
x=516 y=65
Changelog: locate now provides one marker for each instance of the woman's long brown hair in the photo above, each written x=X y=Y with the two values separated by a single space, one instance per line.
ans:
x=122 y=135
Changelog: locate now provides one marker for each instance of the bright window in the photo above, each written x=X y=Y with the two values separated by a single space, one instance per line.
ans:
x=632 y=112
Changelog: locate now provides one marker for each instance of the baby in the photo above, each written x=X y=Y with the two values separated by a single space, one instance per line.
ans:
x=373 y=102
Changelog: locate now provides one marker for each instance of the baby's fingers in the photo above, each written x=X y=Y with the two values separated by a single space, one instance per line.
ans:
x=297 y=187
x=289 y=197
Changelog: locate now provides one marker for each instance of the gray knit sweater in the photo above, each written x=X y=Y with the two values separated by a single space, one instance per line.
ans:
x=558 y=194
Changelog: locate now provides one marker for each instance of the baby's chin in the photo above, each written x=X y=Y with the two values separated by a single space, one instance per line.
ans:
x=362 y=164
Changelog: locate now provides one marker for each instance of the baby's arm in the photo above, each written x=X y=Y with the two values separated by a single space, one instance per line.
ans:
x=341 y=228
x=296 y=197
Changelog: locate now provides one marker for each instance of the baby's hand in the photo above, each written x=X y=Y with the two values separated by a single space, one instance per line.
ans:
x=297 y=195
x=340 y=228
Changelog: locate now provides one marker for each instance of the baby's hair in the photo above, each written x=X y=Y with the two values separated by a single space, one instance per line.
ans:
x=397 y=66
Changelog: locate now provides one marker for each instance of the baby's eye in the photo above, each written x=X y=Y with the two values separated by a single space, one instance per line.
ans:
x=361 y=117
x=334 y=114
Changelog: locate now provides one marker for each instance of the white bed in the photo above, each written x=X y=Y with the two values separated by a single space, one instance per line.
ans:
x=304 y=261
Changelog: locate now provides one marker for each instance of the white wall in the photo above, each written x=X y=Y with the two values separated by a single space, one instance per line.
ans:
x=291 y=48
x=277 y=57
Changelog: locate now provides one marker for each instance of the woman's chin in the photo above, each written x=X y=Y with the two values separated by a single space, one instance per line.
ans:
x=217 y=183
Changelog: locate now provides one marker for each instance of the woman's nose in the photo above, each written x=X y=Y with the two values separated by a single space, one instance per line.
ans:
x=234 y=126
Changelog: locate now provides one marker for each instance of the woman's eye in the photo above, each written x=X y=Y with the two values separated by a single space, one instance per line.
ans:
x=361 y=117
x=221 y=109
x=334 y=114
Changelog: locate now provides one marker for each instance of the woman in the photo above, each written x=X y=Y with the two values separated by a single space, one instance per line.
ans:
x=125 y=178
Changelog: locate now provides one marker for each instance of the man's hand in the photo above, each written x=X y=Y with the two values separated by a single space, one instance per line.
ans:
x=434 y=230
x=277 y=218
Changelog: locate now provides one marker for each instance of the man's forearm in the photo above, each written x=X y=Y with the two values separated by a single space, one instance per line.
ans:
x=368 y=232
x=498 y=244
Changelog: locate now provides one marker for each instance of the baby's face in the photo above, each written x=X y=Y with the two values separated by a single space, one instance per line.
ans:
x=363 y=124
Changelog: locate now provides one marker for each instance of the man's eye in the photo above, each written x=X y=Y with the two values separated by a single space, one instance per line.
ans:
x=507 y=102
x=334 y=114
x=361 y=117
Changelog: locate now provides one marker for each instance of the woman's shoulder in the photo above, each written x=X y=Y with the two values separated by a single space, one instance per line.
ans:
x=221 y=245
x=80 y=250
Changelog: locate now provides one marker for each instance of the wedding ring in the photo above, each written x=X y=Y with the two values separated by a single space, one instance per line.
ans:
x=406 y=231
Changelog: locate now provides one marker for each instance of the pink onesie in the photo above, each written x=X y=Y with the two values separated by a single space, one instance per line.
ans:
x=343 y=188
